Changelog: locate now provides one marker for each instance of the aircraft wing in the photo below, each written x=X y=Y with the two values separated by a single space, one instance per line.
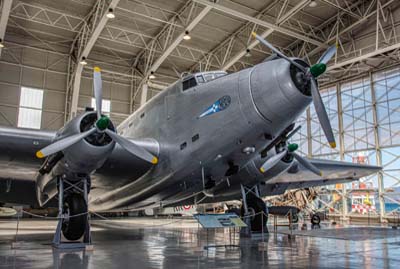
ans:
x=333 y=172
x=19 y=164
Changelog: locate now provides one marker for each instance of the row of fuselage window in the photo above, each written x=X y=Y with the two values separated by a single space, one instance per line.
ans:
x=194 y=139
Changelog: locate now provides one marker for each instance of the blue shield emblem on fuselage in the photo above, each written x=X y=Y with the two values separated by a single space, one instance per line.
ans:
x=219 y=105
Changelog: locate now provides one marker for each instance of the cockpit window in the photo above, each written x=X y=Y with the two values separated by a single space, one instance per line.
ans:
x=211 y=76
x=189 y=83
x=200 y=79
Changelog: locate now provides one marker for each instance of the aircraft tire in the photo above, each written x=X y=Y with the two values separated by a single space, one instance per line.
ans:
x=74 y=227
x=295 y=218
x=315 y=219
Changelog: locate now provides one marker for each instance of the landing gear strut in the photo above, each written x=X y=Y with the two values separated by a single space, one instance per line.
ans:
x=73 y=215
x=254 y=211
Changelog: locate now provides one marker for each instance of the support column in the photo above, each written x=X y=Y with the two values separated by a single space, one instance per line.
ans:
x=309 y=138
x=342 y=148
x=5 y=13
x=381 y=189
x=143 y=96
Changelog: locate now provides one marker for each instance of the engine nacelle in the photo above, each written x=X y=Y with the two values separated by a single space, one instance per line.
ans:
x=78 y=160
x=282 y=166
x=88 y=154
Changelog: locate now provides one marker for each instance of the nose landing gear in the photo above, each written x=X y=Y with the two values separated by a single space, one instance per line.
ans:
x=73 y=228
x=73 y=222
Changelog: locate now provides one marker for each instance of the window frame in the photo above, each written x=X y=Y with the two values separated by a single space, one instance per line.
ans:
x=93 y=104
x=27 y=108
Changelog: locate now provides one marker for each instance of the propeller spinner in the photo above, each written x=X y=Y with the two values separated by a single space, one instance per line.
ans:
x=100 y=126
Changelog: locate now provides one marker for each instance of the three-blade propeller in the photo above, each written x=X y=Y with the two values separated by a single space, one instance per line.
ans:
x=290 y=150
x=271 y=162
x=100 y=126
x=311 y=74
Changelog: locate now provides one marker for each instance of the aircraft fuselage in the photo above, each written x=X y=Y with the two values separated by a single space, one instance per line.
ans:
x=209 y=132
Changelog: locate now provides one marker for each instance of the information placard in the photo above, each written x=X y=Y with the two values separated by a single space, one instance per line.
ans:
x=219 y=220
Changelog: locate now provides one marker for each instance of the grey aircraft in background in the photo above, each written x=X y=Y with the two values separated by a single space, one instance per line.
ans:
x=209 y=137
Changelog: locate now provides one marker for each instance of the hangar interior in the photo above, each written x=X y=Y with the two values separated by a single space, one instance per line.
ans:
x=50 y=47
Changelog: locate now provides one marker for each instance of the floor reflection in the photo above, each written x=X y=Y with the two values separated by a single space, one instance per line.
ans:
x=70 y=259
x=183 y=246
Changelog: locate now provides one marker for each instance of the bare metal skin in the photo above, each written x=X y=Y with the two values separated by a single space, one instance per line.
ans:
x=204 y=155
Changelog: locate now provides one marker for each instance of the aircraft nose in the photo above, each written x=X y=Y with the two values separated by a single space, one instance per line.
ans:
x=278 y=91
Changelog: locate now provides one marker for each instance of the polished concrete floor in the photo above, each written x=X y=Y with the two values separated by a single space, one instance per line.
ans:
x=162 y=243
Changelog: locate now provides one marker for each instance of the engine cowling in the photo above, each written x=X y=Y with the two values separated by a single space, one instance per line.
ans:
x=278 y=91
x=90 y=153
x=76 y=161
x=282 y=166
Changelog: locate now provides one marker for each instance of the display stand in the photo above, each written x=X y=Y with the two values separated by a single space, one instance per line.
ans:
x=86 y=242
x=213 y=221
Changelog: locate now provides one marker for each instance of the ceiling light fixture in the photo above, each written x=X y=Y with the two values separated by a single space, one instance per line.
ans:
x=83 y=61
x=152 y=76
x=186 y=36
x=110 y=13
x=313 y=3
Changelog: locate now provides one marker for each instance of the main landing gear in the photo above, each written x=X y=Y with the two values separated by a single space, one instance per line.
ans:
x=73 y=222
x=254 y=211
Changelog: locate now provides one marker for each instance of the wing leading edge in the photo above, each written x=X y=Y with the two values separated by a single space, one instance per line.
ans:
x=333 y=172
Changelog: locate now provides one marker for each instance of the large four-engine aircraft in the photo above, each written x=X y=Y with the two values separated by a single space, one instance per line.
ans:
x=209 y=137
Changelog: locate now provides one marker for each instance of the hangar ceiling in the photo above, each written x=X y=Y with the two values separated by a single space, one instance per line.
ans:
x=147 y=36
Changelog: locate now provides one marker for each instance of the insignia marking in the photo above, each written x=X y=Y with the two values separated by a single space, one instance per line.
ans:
x=219 y=105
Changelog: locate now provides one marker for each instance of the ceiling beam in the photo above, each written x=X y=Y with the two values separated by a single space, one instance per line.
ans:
x=167 y=40
x=293 y=11
x=349 y=28
x=364 y=57
x=269 y=25
x=84 y=50
x=343 y=9
x=5 y=13
x=176 y=42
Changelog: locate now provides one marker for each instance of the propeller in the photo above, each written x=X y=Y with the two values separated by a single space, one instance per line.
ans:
x=100 y=126
x=98 y=90
x=311 y=73
x=290 y=150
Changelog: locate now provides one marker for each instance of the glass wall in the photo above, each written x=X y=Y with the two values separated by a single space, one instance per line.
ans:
x=365 y=117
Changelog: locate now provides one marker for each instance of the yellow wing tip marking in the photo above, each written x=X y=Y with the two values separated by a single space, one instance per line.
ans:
x=39 y=154
x=253 y=34
x=332 y=144
x=155 y=160
x=262 y=170
x=97 y=69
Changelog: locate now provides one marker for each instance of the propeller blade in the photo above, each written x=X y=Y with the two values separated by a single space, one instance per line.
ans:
x=132 y=147
x=321 y=113
x=293 y=132
x=328 y=54
x=63 y=144
x=304 y=162
x=98 y=90
x=269 y=45
x=271 y=162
